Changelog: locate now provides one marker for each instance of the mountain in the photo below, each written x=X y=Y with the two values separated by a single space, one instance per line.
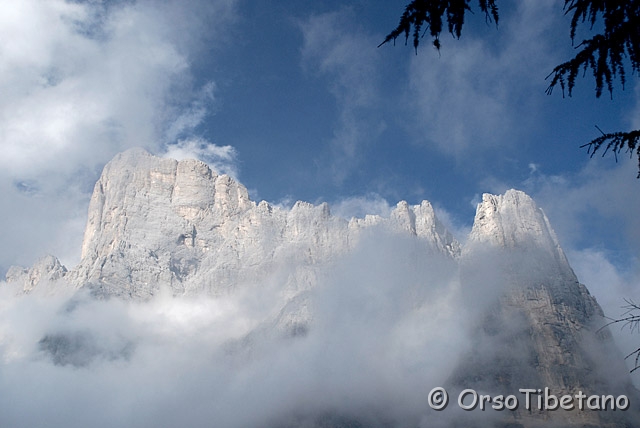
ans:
x=165 y=227
x=156 y=222
x=544 y=321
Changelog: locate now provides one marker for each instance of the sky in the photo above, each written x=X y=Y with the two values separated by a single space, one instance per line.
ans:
x=296 y=100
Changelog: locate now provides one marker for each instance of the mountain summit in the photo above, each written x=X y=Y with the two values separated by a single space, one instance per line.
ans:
x=156 y=222
x=165 y=227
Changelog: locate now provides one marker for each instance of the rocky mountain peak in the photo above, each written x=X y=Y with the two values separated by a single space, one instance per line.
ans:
x=510 y=220
x=137 y=186
x=421 y=221
x=513 y=220
x=159 y=224
x=45 y=270
x=160 y=221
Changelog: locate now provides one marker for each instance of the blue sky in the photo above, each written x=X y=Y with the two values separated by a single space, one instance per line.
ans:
x=295 y=99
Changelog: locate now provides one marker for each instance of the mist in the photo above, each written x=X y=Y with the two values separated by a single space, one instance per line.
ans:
x=384 y=325
x=383 y=328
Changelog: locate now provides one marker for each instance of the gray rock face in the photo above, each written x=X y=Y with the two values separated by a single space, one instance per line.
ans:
x=544 y=326
x=46 y=271
x=158 y=224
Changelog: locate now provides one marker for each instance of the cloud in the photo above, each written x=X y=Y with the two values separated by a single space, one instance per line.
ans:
x=41 y=219
x=592 y=208
x=384 y=325
x=193 y=115
x=337 y=50
x=73 y=95
x=82 y=81
x=380 y=334
x=221 y=158
x=473 y=97
x=373 y=338
x=360 y=206
x=593 y=214
x=457 y=228
x=374 y=204
x=596 y=202
x=613 y=286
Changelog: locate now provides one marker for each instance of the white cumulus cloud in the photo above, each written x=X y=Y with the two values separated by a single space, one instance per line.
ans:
x=80 y=82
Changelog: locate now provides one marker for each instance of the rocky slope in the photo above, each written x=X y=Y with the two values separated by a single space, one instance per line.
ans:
x=544 y=324
x=156 y=222
x=159 y=225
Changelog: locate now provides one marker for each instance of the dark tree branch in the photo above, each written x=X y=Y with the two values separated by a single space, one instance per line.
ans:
x=431 y=14
x=607 y=54
x=631 y=319
x=616 y=142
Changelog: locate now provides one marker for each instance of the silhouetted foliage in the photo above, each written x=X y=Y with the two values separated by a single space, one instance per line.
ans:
x=604 y=53
x=607 y=54
x=616 y=142
x=430 y=13
x=631 y=320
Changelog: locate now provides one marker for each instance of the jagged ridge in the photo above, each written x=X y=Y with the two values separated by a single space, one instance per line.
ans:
x=155 y=223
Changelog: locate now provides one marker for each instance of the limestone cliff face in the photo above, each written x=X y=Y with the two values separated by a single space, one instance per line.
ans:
x=156 y=222
x=543 y=327
x=47 y=271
